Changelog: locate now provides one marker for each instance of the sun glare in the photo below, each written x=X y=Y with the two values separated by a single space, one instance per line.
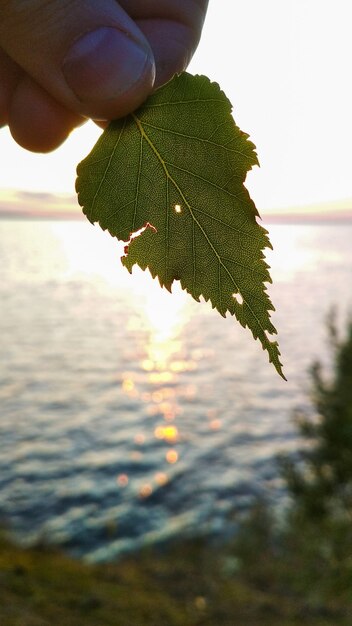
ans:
x=164 y=315
x=88 y=250
x=155 y=319
x=288 y=256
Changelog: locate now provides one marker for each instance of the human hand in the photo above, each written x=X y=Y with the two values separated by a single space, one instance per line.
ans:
x=63 y=61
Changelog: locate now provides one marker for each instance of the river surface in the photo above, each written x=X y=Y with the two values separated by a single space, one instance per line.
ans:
x=130 y=416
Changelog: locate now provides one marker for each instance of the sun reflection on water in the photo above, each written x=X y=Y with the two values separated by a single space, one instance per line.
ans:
x=290 y=254
x=172 y=456
x=164 y=365
x=160 y=373
x=161 y=478
x=88 y=250
x=167 y=433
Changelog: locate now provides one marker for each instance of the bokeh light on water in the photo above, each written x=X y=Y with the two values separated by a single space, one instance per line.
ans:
x=130 y=415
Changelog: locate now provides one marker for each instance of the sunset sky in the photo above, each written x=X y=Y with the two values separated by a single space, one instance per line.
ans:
x=286 y=67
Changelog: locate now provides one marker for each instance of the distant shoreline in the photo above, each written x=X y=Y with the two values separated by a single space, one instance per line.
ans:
x=31 y=205
x=22 y=215
x=285 y=220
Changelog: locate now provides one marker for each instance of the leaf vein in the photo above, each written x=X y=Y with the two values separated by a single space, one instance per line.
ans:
x=204 y=180
x=210 y=243
x=200 y=139
x=95 y=197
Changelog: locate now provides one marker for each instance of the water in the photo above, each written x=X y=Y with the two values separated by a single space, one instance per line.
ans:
x=130 y=416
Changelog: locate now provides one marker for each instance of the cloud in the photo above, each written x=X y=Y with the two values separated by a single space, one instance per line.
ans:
x=17 y=203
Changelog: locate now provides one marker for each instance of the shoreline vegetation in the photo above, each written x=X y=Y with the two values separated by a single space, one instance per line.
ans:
x=294 y=573
x=253 y=581
x=188 y=585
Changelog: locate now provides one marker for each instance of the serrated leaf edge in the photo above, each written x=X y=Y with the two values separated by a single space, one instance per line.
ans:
x=270 y=346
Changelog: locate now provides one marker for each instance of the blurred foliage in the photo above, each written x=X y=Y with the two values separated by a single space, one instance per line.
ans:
x=317 y=537
x=189 y=584
x=320 y=478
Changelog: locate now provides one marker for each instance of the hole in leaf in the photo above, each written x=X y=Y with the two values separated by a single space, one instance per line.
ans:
x=178 y=208
x=138 y=233
x=238 y=297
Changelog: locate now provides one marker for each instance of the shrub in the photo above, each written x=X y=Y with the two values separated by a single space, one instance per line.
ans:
x=320 y=480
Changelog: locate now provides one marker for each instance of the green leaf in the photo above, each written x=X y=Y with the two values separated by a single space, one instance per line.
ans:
x=175 y=168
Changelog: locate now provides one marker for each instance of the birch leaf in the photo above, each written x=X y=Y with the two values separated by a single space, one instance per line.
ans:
x=169 y=181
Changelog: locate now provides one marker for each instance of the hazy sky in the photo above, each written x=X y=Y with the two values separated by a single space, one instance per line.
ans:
x=286 y=67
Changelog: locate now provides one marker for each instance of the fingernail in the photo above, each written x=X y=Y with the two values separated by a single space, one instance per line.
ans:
x=105 y=63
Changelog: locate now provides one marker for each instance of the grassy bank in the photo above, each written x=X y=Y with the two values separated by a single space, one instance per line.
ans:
x=189 y=585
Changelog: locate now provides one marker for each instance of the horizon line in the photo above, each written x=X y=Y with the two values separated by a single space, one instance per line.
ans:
x=22 y=204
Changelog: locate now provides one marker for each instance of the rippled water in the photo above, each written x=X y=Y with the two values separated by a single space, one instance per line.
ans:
x=129 y=415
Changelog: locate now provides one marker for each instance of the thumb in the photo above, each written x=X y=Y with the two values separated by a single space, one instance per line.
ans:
x=89 y=56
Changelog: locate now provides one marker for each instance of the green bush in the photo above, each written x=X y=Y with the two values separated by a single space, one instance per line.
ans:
x=320 y=479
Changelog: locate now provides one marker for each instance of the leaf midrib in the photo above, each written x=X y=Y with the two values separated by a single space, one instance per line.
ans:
x=172 y=180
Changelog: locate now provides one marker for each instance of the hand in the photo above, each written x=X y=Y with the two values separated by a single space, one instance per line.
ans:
x=63 y=61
